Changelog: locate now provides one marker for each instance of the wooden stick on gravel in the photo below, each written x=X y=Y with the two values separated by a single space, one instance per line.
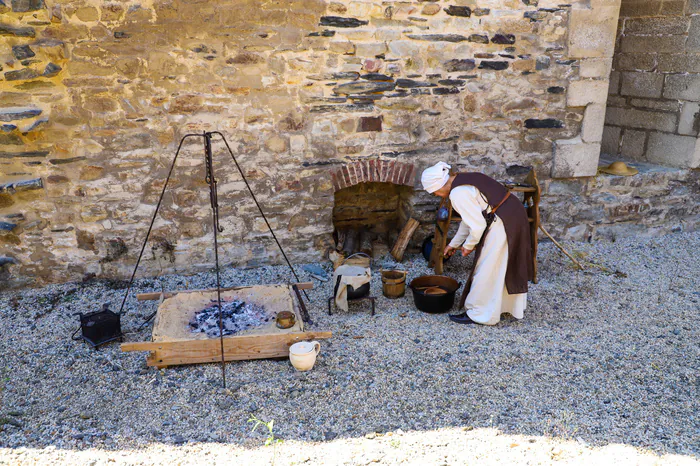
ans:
x=561 y=247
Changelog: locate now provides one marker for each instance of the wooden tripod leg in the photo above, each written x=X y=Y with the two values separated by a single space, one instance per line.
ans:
x=561 y=248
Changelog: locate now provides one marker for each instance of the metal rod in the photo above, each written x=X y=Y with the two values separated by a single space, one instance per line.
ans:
x=150 y=227
x=211 y=181
x=269 y=227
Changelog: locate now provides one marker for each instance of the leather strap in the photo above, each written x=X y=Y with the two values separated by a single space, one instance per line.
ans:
x=501 y=203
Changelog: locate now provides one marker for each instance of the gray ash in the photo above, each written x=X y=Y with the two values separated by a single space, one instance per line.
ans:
x=236 y=316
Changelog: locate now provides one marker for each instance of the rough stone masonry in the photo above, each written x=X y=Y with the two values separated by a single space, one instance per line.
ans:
x=96 y=95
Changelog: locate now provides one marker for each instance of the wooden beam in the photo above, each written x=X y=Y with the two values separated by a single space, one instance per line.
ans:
x=404 y=237
x=236 y=348
x=157 y=295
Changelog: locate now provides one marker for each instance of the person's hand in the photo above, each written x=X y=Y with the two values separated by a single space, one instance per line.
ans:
x=466 y=252
x=449 y=251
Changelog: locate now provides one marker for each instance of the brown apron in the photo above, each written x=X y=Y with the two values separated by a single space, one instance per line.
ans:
x=514 y=216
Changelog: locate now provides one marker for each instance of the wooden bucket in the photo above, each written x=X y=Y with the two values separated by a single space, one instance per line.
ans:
x=393 y=283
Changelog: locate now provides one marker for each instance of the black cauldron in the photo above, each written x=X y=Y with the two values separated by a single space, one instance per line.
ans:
x=434 y=303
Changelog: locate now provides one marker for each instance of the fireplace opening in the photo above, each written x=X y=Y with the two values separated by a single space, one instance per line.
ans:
x=367 y=217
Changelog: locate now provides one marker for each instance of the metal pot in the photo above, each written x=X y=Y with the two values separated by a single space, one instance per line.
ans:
x=361 y=292
x=434 y=303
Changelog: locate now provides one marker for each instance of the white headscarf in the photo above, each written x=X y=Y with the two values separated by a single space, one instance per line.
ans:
x=435 y=177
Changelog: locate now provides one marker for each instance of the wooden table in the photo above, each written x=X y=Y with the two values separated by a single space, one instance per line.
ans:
x=531 y=199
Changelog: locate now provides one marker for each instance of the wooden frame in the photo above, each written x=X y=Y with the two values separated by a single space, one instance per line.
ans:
x=531 y=193
x=172 y=345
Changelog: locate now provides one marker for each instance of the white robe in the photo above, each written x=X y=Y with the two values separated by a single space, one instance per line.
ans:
x=488 y=298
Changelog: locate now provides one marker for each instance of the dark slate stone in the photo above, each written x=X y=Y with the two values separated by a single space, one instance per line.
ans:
x=352 y=75
x=23 y=74
x=22 y=6
x=18 y=113
x=484 y=55
x=460 y=65
x=340 y=22
x=364 y=87
x=4 y=260
x=453 y=10
x=25 y=185
x=25 y=155
x=479 y=38
x=439 y=37
x=556 y=90
x=121 y=35
x=510 y=49
x=531 y=2
x=503 y=39
x=376 y=77
x=369 y=124
x=493 y=65
x=542 y=63
x=7 y=226
x=6 y=128
x=420 y=91
x=51 y=70
x=467 y=76
x=533 y=123
x=66 y=161
x=537 y=15
x=363 y=107
x=505 y=55
x=22 y=52
x=452 y=82
x=517 y=170
x=445 y=90
x=410 y=83
x=324 y=33
x=7 y=30
x=429 y=113
x=566 y=62
x=481 y=11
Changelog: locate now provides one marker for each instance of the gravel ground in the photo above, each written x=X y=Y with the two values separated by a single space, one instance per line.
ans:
x=604 y=365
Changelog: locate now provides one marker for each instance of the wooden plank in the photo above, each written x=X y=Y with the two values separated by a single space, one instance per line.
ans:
x=157 y=295
x=404 y=237
x=235 y=348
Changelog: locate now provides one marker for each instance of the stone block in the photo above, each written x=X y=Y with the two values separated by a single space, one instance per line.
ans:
x=659 y=44
x=592 y=32
x=370 y=49
x=595 y=68
x=635 y=61
x=678 y=62
x=584 y=92
x=593 y=123
x=651 y=104
x=689 y=122
x=614 y=86
x=693 y=43
x=633 y=143
x=633 y=8
x=575 y=158
x=642 y=84
x=658 y=25
x=23 y=6
x=640 y=119
x=693 y=6
x=673 y=150
x=611 y=140
x=682 y=87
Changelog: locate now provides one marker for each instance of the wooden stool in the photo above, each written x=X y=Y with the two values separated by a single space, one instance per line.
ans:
x=531 y=193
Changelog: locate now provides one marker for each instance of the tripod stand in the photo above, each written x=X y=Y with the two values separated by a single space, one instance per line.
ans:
x=214 y=204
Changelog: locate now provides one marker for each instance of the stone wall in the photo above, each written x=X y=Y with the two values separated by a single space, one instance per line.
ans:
x=654 y=106
x=96 y=95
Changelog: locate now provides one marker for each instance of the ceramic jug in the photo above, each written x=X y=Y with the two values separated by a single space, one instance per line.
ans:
x=302 y=355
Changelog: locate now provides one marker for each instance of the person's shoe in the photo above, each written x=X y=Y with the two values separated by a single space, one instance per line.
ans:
x=462 y=318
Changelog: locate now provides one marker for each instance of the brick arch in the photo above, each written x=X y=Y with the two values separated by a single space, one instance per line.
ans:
x=373 y=171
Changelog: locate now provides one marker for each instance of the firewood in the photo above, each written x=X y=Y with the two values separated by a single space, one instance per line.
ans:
x=366 y=242
x=404 y=238
x=352 y=242
x=342 y=235
x=380 y=247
